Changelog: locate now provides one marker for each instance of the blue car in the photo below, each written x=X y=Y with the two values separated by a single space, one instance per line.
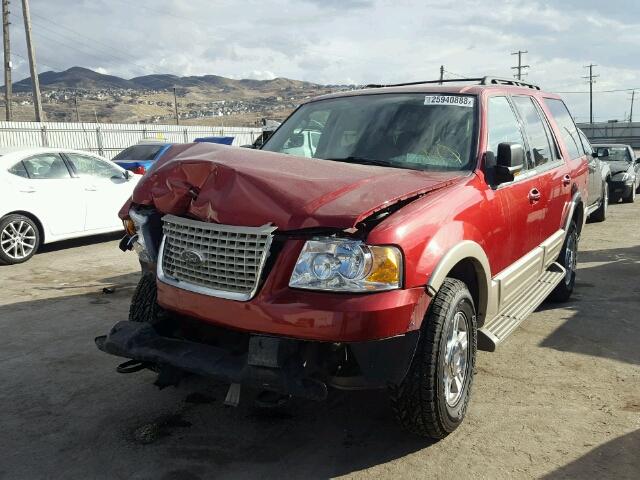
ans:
x=138 y=158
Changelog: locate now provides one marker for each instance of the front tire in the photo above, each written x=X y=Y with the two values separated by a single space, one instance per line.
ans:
x=432 y=399
x=144 y=303
x=19 y=239
x=631 y=198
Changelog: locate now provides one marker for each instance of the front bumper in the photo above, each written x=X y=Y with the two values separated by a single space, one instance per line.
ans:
x=278 y=309
x=620 y=189
x=270 y=363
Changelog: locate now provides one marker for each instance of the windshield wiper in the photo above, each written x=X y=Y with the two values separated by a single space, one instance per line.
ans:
x=363 y=161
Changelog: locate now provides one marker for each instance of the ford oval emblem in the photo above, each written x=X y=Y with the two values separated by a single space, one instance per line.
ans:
x=193 y=258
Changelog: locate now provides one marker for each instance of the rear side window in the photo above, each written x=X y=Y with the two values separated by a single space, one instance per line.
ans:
x=19 y=170
x=539 y=142
x=46 y=166
x=503 y=124
x=568 y=130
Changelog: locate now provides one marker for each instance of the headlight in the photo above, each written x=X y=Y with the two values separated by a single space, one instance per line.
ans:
x=345 y=265
x=625 y=176
x=139 y=245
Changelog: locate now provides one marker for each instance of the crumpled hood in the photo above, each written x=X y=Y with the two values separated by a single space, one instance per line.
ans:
x=237 y=186
x=618 y=167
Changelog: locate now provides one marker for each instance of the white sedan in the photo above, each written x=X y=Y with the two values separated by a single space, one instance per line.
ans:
x=48 y=194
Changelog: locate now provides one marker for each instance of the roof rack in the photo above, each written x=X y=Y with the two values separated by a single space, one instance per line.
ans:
x=479 y=81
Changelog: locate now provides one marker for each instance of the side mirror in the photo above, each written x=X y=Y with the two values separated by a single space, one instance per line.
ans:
x=509 y=162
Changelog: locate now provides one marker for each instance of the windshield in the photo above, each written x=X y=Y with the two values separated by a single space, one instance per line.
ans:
x=614 y=154
x=139 y=152
x=414 y=131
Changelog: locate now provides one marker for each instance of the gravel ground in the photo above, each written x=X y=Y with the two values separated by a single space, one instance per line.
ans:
x=560 y=399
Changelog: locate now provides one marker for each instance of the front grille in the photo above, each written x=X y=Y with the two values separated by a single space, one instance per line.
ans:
x=219 y=260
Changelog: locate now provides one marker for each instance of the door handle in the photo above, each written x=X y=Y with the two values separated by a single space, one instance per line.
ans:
x=534 y=195
x=566 y=180
x=28 y=190
x=90 y=188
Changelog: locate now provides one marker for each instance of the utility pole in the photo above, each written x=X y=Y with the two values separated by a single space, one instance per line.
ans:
x=35 y=82
x=520 y=67
x=7 y=59
x=633 y=95
x=75 y=101
x=175 y=105
x=591 y=78
x=441 y=74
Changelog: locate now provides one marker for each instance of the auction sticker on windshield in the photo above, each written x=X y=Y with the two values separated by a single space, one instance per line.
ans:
x=454 y=100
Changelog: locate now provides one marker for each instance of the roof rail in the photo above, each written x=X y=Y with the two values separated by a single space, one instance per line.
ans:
x=479 y=81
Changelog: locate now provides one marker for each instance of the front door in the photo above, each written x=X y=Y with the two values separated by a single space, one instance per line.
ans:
x=51 y=193
x=523 y=197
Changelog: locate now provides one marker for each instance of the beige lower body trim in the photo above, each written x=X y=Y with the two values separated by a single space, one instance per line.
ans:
x=524 y=272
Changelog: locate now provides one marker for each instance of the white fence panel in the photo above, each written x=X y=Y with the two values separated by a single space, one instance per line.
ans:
x=109 y=138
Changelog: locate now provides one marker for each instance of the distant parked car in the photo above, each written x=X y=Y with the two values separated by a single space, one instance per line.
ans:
x=599 y=178
x=48 y=195
x=625 y=170
x=138 y=158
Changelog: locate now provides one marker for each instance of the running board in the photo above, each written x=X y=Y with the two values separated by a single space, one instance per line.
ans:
x=500 y=327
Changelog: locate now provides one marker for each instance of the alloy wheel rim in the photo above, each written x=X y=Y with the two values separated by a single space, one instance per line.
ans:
x=18 y=239
x=456 y=361
x=570 y=259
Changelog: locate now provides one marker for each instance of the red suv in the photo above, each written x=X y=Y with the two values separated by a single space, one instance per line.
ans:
x=376 y=240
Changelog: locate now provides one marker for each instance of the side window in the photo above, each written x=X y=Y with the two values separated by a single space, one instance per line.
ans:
x=19 y=170
x=568 y=130
x=86 y=166
x=585 y=143
x=46 y=166
x=503 y=124
x=541 y=151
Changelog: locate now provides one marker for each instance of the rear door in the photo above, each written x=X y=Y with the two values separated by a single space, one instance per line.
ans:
x=575 y=160
x=52 y=194
x=105 y=189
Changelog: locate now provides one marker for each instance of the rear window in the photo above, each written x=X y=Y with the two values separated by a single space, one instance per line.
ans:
x=19 y=170
x=139 y=152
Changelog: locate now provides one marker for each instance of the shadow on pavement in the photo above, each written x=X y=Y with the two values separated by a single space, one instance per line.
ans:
x=606 y=303
x=79 y=242
x=619 y=459
x=62 y=398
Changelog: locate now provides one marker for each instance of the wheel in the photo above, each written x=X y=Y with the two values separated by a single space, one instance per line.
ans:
x=144 y=303
x=600 y=215
x=19 y=239
x=568 y=259
x=432 y=399
x=632 y=194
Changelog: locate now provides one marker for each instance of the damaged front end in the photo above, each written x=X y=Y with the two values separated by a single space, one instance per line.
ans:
x=285 y=366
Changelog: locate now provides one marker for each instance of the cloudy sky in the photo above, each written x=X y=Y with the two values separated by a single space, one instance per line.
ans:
x=347 y=41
